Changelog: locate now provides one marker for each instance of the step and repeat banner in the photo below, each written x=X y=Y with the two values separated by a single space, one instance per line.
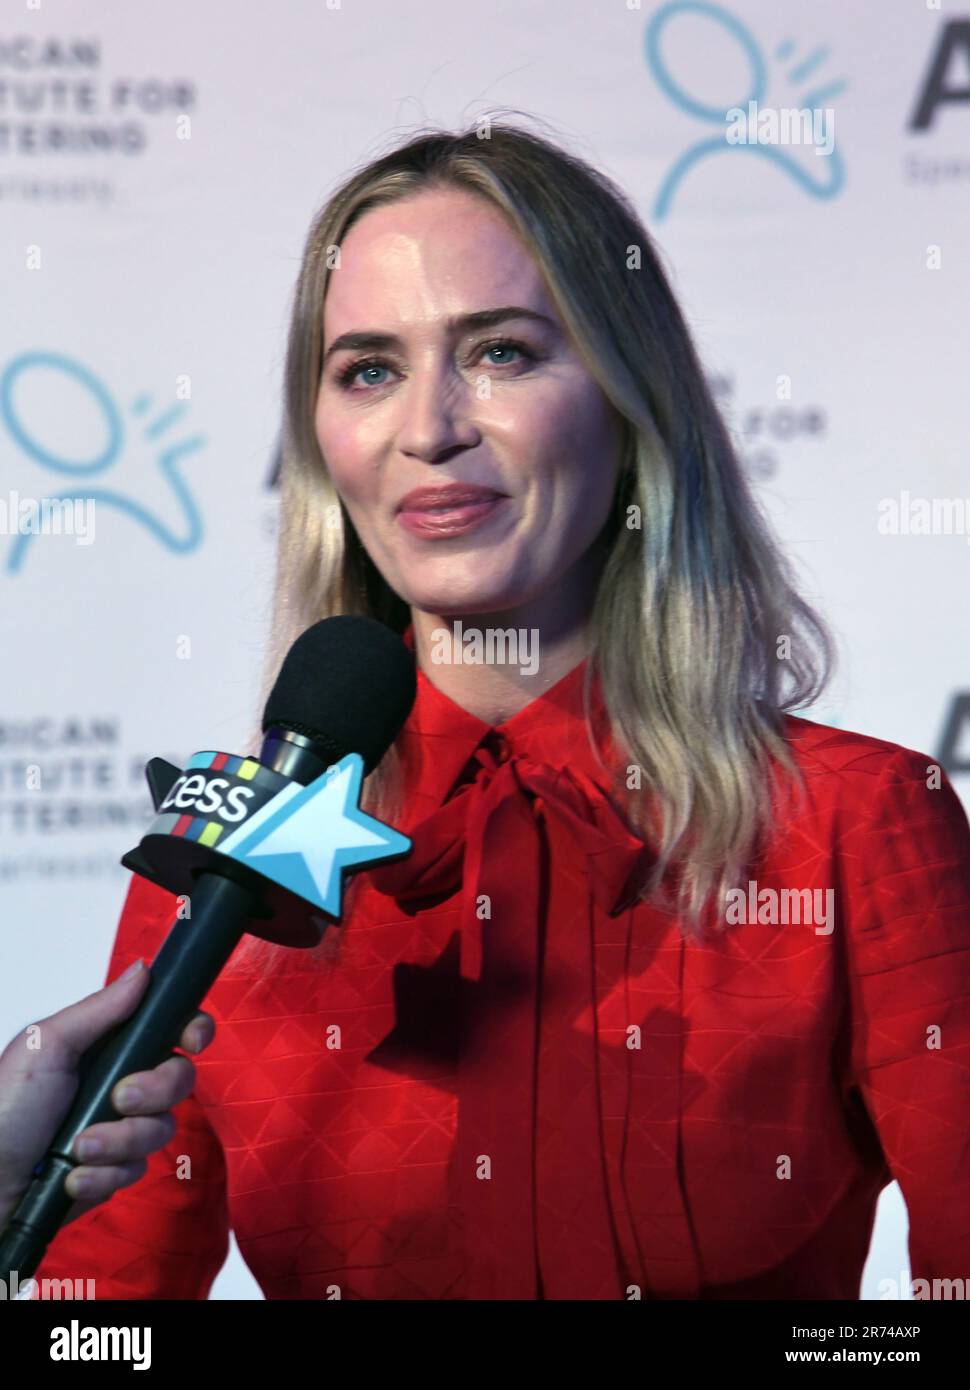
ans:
x=805 y=171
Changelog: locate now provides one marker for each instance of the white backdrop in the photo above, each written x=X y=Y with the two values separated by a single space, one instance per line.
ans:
x=159 y=167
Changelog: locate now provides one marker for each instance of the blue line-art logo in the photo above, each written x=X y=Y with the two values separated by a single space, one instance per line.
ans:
x=824 y=180
x=116 y=452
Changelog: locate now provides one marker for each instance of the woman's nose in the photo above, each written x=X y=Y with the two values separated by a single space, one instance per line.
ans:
x=435 y=415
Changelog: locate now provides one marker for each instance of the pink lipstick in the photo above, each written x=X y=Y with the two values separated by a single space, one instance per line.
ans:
x=449 y=510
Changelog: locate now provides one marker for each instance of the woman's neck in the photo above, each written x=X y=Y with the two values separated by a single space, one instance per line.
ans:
x=493 y=664
x=489 y=665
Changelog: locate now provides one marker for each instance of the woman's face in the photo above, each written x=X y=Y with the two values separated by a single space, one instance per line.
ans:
x=453 y=403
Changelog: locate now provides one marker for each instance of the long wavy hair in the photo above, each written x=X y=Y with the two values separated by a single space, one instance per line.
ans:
x=695 y=599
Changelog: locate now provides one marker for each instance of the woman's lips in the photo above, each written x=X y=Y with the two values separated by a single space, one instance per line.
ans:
x=453 y=519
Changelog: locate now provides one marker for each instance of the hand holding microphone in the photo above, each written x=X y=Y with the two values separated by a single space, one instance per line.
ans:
x=246 y=845
x=38 y=1084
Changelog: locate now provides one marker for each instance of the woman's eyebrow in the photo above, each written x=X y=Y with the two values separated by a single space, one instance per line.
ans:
x=483 y=318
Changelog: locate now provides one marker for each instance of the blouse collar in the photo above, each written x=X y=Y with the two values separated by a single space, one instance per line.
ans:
x=439 y=736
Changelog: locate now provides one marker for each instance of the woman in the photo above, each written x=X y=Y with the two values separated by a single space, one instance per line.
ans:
x=669 y=987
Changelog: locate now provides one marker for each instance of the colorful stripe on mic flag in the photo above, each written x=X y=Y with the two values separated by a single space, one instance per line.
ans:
x=198 y=828
x=225 y=762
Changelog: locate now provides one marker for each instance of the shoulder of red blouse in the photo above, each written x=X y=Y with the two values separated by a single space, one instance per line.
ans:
x=901 y=866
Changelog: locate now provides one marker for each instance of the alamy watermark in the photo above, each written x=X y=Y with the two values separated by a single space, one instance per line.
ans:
x=946 y=1290
x=495 y=646
x=48 y=516
x=77 y=1343
x=782 y=907
x=13 y=1290
x=784 y=125
x=924 y=516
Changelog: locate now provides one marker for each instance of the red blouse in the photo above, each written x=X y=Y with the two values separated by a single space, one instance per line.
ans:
x=514 y=1081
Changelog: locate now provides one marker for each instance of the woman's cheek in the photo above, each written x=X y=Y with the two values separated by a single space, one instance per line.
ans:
x=349 y=478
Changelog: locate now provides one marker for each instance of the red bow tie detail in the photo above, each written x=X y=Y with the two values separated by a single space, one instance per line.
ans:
x=459 y=828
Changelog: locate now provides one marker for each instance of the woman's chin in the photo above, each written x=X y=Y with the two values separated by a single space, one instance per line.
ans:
x=454 y=604
x=449 y=591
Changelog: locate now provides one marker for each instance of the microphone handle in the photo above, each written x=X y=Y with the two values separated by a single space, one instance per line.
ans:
x=182 y=973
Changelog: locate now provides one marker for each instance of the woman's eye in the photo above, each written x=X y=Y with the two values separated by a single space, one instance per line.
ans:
x=349 y=374
x=502 y=347
x=354 y=372
x=508 y=345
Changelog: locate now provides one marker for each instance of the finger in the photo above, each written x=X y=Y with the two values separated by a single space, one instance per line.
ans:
x=123 y=1141
x=199 y=1033
x=80 y=1025
x=93 y=1185
x=151 y=1092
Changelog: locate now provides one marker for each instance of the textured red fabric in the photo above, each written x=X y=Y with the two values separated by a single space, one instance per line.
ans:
x=487 y=1128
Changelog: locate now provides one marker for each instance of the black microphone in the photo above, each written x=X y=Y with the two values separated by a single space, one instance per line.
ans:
x=346 y=687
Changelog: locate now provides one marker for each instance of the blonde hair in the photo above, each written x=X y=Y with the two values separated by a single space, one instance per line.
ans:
x=692 y=601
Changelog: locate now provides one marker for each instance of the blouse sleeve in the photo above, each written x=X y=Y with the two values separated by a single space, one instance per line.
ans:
x=906 y=848
x=165 y=1236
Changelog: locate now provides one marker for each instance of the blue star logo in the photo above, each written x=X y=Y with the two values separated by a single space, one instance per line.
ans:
x=305 y=837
